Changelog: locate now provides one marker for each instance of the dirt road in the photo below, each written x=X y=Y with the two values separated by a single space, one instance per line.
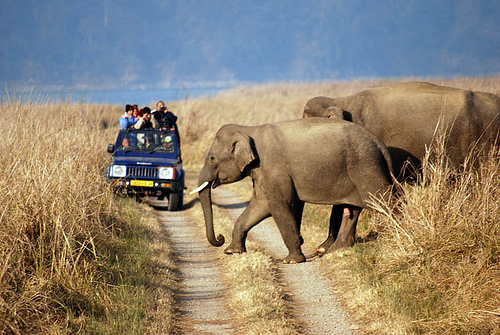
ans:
x=201 y=299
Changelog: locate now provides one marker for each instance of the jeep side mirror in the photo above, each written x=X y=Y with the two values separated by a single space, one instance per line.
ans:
x=111 y=148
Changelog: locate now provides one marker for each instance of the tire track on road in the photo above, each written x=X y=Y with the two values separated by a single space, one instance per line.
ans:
x=315 y=304
x=201 y=306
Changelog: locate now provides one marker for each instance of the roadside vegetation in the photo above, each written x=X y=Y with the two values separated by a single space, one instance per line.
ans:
x=76 y=259
x=73 y=258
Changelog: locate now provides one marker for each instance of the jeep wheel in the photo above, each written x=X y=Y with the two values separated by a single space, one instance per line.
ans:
x=175 y=201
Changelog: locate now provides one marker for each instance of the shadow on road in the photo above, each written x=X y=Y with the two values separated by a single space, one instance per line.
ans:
x=232 y=206
x=162 y=207
x=190 y=204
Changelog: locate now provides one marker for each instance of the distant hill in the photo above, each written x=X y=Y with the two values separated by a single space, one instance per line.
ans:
x=176 y=43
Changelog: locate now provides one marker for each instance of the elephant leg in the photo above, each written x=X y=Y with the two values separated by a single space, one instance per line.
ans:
x=285 y=207
x=255 y=212
x=284 y=216
x=298 y=210
x=335 y=223
x=347 y=232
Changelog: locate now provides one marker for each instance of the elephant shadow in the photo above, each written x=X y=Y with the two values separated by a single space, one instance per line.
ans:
x=185 y=206
x=232 y=206
x=190 y=204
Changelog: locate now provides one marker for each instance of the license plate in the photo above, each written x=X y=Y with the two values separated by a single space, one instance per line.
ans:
x=144 y=183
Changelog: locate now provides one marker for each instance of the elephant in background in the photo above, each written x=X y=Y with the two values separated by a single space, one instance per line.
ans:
x=315 y=160
x=408 y=117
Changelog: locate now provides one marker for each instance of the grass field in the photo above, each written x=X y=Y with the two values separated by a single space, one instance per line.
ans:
x=71 y=254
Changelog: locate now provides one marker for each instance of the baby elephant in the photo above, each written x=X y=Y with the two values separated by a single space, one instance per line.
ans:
x=316 y=160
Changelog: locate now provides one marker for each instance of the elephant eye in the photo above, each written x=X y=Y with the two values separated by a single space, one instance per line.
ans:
x=329 y=116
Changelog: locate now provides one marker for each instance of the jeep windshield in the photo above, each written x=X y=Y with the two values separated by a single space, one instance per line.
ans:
x=146 y=142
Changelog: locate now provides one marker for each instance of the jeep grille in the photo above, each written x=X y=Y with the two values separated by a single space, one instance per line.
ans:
x=142 y=171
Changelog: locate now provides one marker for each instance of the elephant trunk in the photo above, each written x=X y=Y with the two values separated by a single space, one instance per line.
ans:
x=206 y=204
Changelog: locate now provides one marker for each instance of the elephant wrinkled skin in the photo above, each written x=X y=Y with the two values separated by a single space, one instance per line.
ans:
x=313 y=160
x=408 y=117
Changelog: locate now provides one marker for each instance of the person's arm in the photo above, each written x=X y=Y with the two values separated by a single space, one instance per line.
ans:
x=123 y=123
x=154 y=122
x=171 y=118
x=139 y=123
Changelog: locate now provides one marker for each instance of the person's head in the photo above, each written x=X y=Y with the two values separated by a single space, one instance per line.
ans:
x=125 y=142
x=160 y=106
x=146 y=113
x=135 y=111
x=129 y=109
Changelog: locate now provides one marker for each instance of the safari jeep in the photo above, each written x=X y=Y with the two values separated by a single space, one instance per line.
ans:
x=147 y=163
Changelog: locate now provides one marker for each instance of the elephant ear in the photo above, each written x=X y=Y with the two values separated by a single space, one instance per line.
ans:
x=337 y=113
x=242 y=151
x=334 y=112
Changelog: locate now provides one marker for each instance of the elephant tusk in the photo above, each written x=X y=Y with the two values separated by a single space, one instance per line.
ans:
x=199 y=188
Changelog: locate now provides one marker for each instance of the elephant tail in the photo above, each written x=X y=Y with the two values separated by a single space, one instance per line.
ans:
x=388 y=160
x=385 y=153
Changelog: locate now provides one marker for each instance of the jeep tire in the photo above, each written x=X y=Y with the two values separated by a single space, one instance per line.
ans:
x=175 y=201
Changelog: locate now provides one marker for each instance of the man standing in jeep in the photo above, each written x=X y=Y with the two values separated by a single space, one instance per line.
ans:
x=166 y=120
x=164 y=117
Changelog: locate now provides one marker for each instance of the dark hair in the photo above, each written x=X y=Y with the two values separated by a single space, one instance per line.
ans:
x=128 y=107
x=146 y=110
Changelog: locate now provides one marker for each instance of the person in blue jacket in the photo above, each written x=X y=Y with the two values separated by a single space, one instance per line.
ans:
x=127 y=120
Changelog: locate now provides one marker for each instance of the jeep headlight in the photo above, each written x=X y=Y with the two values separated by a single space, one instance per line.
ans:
x=118 y=171
x=166 y=173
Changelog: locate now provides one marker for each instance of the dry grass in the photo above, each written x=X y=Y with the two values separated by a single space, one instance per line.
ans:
x=437 y=260
x=71 y=259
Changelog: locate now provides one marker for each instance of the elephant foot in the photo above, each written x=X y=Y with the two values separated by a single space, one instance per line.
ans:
x=234 y=250
x=325 y=247
x=341 y=244
x=300 y=258
x=314 y=255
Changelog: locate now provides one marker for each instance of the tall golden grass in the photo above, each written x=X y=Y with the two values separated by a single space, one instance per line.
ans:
x=438 y=257
x=65 y=245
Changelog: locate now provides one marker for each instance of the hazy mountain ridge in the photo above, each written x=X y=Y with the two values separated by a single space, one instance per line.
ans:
x=162 y=44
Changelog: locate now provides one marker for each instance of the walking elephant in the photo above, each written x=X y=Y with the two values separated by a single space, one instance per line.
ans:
x=315 y=160
x=408 y=117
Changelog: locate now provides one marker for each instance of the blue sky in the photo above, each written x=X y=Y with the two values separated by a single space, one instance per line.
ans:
x=153 y=43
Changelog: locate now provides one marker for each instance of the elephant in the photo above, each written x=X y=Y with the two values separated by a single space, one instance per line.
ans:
x=409 y=117
x=316 y=160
